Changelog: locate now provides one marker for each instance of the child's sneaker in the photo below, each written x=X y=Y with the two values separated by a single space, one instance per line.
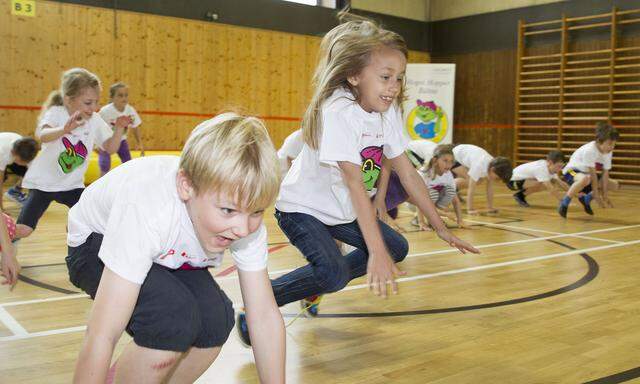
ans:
x=243 y=329
x=562 y=210
x=520 y=199
x=586 y=203
x=311 y=305
x=15 y=195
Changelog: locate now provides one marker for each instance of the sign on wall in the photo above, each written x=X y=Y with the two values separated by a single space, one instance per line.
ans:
x=23 y=8
x=428 y=110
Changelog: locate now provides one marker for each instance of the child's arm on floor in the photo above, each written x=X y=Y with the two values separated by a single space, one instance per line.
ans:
x=457 y=206
x=266 y=327
x=380 y=268
x=595 y=188
x=555 y=192
x=138 y=136
x=605 y=189
x=112 y=309
x=490 y=208
x=470 y=191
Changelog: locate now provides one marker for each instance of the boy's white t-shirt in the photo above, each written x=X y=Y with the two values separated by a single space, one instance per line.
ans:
x=314 y=184
x=474 y=158
x=110 y=113
x=6 y=146
x=588 y=156
x=533 y=170
x=423 y=148
x=137 y=208
x=291 y=148
x=62 y=163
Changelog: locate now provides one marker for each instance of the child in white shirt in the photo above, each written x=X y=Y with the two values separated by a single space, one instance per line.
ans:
x=474 y=165
x=119 y=106
x=16 y=152
x=68 y=128
x=290 y=149
x=582 y=171
x=535 y=176
x=141 y=239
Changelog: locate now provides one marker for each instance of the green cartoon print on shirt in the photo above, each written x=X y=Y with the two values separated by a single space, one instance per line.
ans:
x=371 y=166
x=73 y=156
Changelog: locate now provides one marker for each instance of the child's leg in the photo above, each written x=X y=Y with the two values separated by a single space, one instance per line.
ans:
x=327 y=270
x=68 y=198
x=31 y=212
x=193 y=364
x=123 y=152
x=580 y=180
x=104 y=162
x=445 y=197
x=532 y=186
x=397 y=245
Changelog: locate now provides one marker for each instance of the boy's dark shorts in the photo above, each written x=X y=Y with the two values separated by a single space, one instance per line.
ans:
x=176 y=309
x=516 y=185
x=569 y=177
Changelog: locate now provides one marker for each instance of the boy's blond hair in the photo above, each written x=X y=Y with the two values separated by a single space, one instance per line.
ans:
x=233 y=155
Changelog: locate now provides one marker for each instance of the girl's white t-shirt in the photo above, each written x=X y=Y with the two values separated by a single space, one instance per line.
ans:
x=62 y=163
x=474 y=158
x=446 y=179
x=588 y=156
x=291 y=148
x=314 y=184
x=110 y=113
x=137 y=208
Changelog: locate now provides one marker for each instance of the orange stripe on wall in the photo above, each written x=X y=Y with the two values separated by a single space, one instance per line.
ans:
x=159 y=113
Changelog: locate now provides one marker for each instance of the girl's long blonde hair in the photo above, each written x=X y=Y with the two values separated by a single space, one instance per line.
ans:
x=344 y=52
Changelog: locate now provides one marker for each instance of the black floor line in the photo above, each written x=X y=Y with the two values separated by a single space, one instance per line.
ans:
x=50 y=287
x=621 y=377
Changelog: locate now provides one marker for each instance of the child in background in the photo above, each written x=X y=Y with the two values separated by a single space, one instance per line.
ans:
x=473 y=165
x=420 y=152
x=141 y=239
x=119 y=106
x=535 y=176
x=581 y=173
x=441 y=185
x=16 y=152
x=290 y=150
x=68 y=128
x=352 y=122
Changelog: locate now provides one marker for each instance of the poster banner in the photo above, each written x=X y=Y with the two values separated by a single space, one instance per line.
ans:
x=428 y=110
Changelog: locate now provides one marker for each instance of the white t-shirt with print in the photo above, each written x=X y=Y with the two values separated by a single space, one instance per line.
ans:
x=62 y=163
x=538 y=170
x=588 y=156
x=291 y=148
x=423 y=148
x=474 y=158
x=314 y=184
x=110 y=113
x=137 y=208
x=6 y=146
x=444 y=180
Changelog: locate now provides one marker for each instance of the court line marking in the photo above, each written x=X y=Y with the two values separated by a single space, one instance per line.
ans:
x=12 y=324
x=441 y=251
x=362 y=286
x=501 y=264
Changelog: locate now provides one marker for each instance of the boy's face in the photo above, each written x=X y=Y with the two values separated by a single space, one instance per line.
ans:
x=216 y=218
x=555 y=167
x=606 y=146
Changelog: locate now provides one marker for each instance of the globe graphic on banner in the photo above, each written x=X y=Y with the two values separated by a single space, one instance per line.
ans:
x=427 y=121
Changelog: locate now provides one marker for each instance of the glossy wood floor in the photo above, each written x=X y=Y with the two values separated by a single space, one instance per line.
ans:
x=548 y=301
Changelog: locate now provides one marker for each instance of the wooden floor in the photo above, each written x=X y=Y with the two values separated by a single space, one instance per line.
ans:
x=548 y=301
